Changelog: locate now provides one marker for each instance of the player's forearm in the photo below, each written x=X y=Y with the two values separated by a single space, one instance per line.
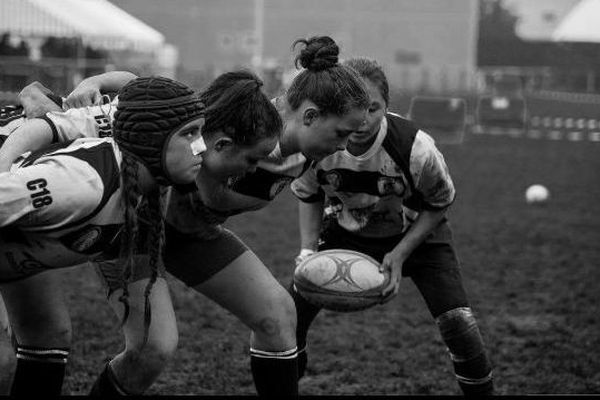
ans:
x=33 y=135
x=310 y=217
x=218 y=196
x=109 y=81
x=231 y=203
x=425 y=223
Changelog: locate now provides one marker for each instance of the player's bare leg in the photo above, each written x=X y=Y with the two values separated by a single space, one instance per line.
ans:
x=135 y=369
x=41 y=325
x=7 y=353
x=248 y=290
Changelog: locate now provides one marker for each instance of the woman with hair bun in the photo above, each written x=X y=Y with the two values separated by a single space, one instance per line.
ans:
x=324 y=105
x=390 y=196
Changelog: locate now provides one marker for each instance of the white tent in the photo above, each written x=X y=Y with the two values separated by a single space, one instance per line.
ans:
x=582 y=24
x=98 y=23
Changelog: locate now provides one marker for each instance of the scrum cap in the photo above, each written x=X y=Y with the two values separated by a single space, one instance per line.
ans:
x=149 y=111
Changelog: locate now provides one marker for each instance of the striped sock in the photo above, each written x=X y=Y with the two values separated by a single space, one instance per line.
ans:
x=275 y=373
x=40 y=371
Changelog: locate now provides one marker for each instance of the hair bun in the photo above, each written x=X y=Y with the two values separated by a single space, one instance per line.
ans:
x=321 y=52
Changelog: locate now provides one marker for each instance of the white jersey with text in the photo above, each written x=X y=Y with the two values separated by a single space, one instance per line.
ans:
x=59 y=207
x=369 y=192
x=93 y=121
x=75 y=123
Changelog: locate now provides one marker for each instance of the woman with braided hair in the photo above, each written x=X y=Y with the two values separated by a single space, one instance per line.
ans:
x=77 y=200
x=325 y=104
x=241 y=127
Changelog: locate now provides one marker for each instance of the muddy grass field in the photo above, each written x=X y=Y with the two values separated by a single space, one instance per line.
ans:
x=532 y=273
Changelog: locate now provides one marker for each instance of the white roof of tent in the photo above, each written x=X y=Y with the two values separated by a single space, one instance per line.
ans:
x=582 y=24
x=99 y=23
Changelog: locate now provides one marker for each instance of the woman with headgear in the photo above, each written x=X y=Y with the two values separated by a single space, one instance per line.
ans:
x=324 y=105
x=77 y=201
x=239 y=104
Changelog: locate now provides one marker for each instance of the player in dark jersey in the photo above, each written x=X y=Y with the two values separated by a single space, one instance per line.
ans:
x=389 y=192
x=238 y=113
x=324 y=105
x=73 y=202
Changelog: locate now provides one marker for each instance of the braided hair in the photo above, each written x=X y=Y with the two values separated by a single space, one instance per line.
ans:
x=334 y=88
x=150 y=110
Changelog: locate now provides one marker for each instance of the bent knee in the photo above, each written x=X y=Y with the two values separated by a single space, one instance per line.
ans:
x=157 y=351
x=278 y=321
x=459 y=330
x=53 y=336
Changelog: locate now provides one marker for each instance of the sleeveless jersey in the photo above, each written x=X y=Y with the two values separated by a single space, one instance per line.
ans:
x=379 y=193
x=59 y=207
x=13 y=116
x=75 y=123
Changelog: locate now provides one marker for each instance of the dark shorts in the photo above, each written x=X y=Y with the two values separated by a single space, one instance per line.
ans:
x=191 y=258
x=433 y=266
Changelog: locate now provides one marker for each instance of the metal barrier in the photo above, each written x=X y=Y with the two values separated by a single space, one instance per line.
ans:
x=444 y=118
x=496 y=113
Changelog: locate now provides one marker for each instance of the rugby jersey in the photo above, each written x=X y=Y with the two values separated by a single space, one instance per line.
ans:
x=65 y=202
x=13 y=116
x=371 y=193
x=93 y=121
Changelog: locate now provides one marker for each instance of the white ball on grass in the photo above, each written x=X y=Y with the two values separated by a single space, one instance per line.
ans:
x=537 y=194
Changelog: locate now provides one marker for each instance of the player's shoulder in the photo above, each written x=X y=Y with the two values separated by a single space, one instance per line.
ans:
x=91 y=150
x=399 y=124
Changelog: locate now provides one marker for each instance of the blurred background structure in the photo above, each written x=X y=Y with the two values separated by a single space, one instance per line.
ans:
x=498 y=59
x=510 y=90
x=59 y=42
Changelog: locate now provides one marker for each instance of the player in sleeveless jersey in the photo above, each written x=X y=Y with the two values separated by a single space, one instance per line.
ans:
x=317 y=123
x=67 y=204
x=238 y=106
x=389 y=192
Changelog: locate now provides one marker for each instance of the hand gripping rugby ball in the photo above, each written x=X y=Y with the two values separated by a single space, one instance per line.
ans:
x=340 y=280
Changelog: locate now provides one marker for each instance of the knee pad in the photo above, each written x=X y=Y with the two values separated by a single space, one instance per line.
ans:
x=459 y=331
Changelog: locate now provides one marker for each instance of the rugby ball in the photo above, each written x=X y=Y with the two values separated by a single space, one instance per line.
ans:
x=340 y=280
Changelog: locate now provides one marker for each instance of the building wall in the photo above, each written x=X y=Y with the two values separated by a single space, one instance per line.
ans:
x=423 y=45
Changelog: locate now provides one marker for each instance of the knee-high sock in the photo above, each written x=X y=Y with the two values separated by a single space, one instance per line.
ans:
x=306 y=314
x=107 y=385
x=39 y=371
x=275 y=373
x=471 y=365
